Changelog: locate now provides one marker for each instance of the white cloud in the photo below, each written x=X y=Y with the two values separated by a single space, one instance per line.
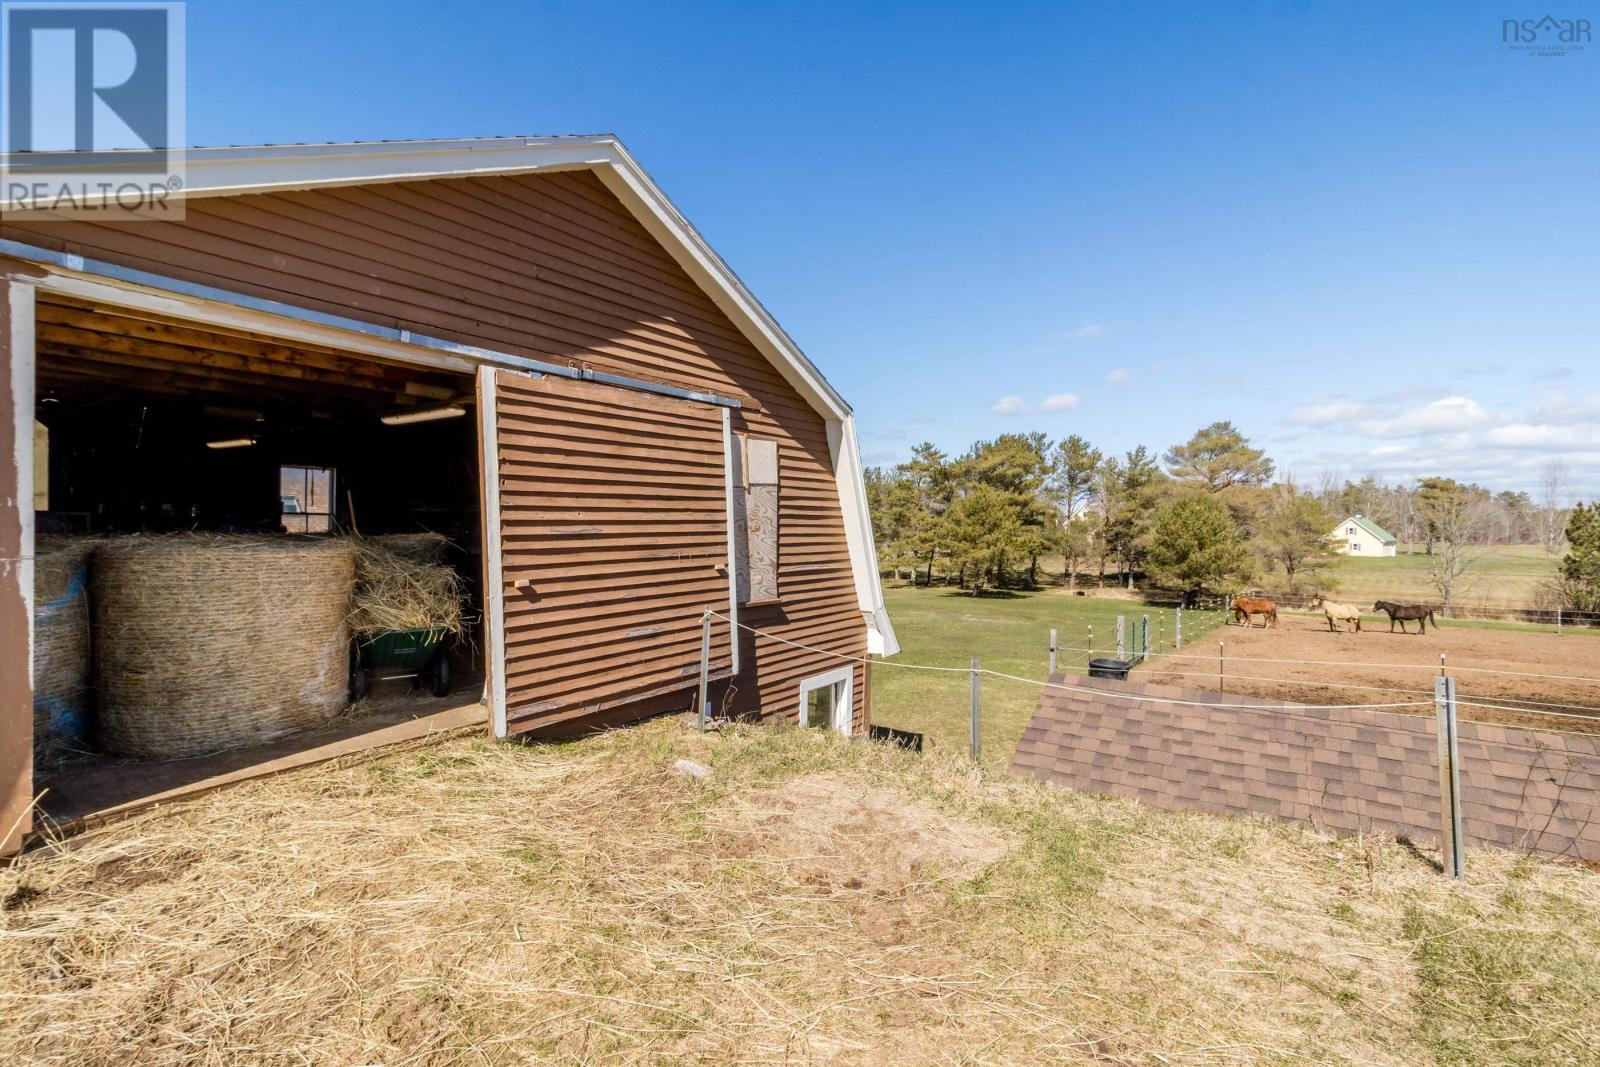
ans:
x=1060 y=402
x=1543 y=436
x=1118 y=377
x=1330 y=412
x=1452 y=414
x=1088 y=329
x=1008 y=405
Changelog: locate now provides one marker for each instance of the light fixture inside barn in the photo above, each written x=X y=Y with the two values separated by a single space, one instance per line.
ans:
x=232 y=442
x=403 y=418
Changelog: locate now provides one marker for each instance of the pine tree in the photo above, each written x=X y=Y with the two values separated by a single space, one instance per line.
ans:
x=1195 y=545
x=1580 y=567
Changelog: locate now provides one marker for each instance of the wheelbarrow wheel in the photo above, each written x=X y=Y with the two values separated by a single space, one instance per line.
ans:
x=439 y=675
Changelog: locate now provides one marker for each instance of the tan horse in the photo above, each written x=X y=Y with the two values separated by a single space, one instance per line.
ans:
x=1245 y=608
x=1338 y=613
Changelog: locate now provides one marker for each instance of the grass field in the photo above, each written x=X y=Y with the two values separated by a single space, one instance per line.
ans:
x=1008 y=633
x=1503 y=576
x=1509 y=576
x=808 y=900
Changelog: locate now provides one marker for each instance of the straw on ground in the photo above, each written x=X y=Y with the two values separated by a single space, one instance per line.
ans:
x=472 y=902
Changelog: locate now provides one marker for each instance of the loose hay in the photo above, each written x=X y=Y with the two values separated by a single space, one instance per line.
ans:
x=421 y=547
x=476 y=903
x=204 y=643
x=60 y=644
x=400 y=590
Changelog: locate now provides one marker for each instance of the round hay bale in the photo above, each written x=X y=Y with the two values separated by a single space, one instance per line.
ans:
x=204 y=643
x=60 y=642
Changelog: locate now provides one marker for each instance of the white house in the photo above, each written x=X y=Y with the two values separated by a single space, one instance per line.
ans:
x=1363 y=537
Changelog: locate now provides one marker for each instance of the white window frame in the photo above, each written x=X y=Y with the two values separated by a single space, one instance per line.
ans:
x=843 y=705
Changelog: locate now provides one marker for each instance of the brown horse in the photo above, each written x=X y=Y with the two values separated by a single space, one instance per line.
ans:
x=1244 y=608
x=1421 y=614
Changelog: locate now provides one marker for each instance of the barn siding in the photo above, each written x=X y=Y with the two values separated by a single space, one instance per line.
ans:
x=547 y=266
x=613 y=508
x=16 y=691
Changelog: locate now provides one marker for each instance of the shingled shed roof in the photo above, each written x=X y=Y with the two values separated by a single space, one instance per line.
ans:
x=1347 y=771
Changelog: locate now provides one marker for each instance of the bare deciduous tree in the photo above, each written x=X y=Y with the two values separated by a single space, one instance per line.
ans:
x=1456 y=518
x=1552 y=505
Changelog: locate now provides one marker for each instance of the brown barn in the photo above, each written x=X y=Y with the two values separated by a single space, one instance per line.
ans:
x=518 y=342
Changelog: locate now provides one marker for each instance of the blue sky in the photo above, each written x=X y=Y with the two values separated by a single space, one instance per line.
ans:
x=1367 y=234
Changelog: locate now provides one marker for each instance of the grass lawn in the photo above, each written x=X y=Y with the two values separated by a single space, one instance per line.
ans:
x=1008 y=633
x=1511 y=576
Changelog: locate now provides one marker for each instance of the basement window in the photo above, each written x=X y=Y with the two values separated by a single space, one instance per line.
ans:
x=826 y=701
x=305 y=498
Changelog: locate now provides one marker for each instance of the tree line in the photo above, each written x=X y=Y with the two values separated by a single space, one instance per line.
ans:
x=1209 y=514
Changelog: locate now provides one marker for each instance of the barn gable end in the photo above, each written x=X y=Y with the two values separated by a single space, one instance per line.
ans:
x=567 y=262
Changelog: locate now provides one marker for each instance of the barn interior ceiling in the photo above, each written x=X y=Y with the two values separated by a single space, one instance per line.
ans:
x=89 y=355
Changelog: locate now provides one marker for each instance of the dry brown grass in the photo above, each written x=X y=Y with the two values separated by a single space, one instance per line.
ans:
x=471 y=902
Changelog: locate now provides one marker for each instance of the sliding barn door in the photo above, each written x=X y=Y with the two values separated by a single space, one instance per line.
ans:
x=608 y=522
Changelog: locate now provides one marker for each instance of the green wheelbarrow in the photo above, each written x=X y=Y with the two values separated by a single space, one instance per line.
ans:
x=391 y=654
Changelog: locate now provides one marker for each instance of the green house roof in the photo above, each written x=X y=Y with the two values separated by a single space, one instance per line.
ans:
x=1373 y=528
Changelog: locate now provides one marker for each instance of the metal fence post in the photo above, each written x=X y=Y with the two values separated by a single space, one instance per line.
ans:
x=1450 y=844
x=1177 y=631
x=705 y=665
x=1052 y=653
x=1558 y=622
x=1122 y=638
x=977 y=695
x=1144 y=637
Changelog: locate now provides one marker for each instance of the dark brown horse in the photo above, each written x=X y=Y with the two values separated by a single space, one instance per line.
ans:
x=1245 y=607
x=1422 y=614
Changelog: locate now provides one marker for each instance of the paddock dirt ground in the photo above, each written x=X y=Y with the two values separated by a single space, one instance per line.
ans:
x=1402 y=666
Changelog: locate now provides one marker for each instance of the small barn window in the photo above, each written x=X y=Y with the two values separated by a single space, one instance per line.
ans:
x=305 y=499
x=1350 y=531
x=756 y=507
x=826 y=701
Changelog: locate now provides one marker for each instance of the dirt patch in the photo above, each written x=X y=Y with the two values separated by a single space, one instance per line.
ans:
x=839 y=833
x=135 y=870
x=1377 y=667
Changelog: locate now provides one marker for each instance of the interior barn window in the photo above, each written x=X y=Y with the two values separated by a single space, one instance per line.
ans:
x=305 y=498
x=756 y=514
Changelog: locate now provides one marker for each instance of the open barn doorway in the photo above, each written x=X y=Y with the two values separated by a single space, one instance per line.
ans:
x=181 y=433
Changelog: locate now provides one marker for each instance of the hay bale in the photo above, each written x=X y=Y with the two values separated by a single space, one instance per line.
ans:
x=60 y=643
x=396 y=591
x=208 y=642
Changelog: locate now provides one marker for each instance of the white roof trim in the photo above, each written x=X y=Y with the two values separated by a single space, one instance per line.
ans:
x=274 y=168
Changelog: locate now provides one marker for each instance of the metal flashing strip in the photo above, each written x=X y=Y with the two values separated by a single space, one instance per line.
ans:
x=114 y=272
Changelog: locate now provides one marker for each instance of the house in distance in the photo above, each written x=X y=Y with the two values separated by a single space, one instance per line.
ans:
x=1360 y=536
